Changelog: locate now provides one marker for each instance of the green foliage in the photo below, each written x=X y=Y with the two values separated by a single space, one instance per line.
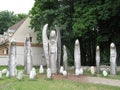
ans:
x=93 y=22
x=8 y=18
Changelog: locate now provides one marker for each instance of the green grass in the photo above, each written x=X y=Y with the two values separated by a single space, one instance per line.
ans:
x=42 y=83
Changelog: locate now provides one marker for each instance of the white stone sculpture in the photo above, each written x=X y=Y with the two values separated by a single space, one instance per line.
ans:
x=61 y=70
x=77 y=72
x=53 y=51
x=98 y=60
x=20 y=75
x=105 y=73
x=113 y=56
x=4 y=71
x=7 y=74
x=77 y=56
x=58 y=47
x=32 y=74
x=65 y=57
x=81 y=71
x=41 y=69
x=65 y=73
x=49 y=73
x=50 y=49
x=0 y=74
x=28 y=63
x=92 y=70
x=46 y=44
x=12 y=58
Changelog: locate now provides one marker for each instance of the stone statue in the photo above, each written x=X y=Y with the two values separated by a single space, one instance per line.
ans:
x=113 y=56
x=28 y=63
x=77 y=55
x=98 y=60
x=50 y=48
x=53 y=51
x=49 y=74
x=12 y=58
x=65 y=57
x=45 y=44
x=58 y=46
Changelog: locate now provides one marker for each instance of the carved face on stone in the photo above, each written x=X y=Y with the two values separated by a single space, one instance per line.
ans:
x=112 y=45
x=97 y=48
x=52 y=34
x=77 y=42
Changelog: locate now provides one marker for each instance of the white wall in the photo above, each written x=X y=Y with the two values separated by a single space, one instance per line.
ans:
x=37 y=52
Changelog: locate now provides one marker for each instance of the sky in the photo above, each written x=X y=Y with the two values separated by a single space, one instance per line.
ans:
x=17 y=6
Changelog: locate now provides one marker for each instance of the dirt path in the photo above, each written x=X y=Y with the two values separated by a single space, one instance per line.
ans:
x=89 y=79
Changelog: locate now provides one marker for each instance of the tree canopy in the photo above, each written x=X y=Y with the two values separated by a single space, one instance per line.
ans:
x=8 y=18
x=93 y=22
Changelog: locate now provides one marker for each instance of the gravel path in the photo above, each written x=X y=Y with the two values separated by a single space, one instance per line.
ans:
x=89 y=79
x=98 y=80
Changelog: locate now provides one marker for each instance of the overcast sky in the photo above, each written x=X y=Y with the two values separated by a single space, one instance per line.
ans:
x=17 y=6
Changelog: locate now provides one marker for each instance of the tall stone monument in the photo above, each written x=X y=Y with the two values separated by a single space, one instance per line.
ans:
x=50 y=48
x=12 y=58
x=53 y=51
x=98 y=60
x=77 y=56
x=58 y=46
x=113 y=56
x=28 y=63
x=65 y=57
x=45 y=44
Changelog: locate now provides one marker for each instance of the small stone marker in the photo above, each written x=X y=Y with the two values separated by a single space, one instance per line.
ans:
x=92 y=70
x=49 y=73
x=7 y=74
x=77 y=72
x=4 y=71
x=105 y=73
x=81 y=71
x=32 y=74
x=20 y=75
x=41 y=70
x=65 y=73
x=61 y=69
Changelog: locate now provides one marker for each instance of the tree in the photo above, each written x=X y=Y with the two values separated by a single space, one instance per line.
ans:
x=93 y=22
x=8 y=18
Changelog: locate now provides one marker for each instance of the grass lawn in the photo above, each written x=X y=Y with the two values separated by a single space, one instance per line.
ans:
x=42 y=83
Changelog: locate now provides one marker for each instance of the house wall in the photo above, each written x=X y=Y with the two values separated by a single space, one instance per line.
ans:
x=37 y=53
x=24 y=29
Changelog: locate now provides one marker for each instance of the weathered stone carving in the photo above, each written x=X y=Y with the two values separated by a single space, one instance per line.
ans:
x=113 y=56
x=28 y=63
x=52 y=48
x=77 y=56
x=53 y=51
x=58 y=47
x=20 y=75
x=12 y=58
x=41 y=69
x=105 y=73
x=45 y=44
x=32 y=74
x=49 y=74
x=92 y=70
x=65 y=57
x=61 y=69
x=98 y=59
